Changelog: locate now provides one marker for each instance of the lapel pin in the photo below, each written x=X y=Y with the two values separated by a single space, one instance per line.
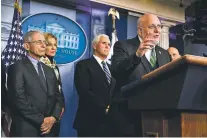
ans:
x=160 y=52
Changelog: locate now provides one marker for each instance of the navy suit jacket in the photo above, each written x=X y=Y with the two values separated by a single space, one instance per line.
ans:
x=95 y=94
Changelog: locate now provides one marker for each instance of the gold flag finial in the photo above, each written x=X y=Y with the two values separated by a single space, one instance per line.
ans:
x=16 y=5
x=115 y=15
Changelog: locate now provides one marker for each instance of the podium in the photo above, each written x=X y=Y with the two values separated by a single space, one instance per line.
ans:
x=172 y=99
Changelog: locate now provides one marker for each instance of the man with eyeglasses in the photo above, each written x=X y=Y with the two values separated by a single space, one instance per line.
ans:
x=33 y=92
x=136 y=57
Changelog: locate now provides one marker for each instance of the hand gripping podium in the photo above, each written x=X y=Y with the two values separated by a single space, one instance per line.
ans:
x=172 y=99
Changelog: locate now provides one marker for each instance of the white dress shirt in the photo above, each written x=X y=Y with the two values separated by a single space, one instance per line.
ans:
x=99 y=62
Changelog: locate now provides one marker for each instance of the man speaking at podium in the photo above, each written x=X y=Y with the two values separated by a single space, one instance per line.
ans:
x=138 y=56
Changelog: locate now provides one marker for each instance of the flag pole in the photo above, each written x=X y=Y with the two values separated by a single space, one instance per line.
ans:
x=115 y=15
x=16 y=5
x=13 y=51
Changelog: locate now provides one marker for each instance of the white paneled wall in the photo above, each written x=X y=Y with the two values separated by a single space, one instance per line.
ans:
x=46 y=8
x=7 y=10
x=163 y=8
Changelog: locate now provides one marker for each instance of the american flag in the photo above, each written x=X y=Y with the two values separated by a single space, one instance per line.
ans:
x=13 y=51
x=114 y=38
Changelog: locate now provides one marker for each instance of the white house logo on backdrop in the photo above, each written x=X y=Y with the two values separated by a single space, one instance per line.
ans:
x=72 y=41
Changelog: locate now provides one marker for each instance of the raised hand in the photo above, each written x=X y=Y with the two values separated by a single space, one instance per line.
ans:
x=148 y=43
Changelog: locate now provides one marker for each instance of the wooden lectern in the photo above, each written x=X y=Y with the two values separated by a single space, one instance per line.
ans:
x=172 y=99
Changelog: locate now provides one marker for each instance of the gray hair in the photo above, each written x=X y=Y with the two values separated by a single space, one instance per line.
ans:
x=98 y=37
x=139 y=21
x=28 y=35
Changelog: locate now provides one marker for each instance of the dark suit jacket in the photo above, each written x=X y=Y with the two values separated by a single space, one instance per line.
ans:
x=60 y=83
x=127 y=67
x=30 y=101
x=3 y=89
x=95 y=95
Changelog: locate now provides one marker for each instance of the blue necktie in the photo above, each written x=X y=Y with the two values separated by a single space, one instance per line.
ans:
x=106 y=71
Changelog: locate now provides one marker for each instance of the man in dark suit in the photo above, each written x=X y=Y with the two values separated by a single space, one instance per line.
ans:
x=94 y=85
x=132 y=57
x=138 y=56
x=33 y=92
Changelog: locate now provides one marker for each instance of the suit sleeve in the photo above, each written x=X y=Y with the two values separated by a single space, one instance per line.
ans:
x=122 y=62
x=60 y=103
x=168 y=58
x=83 y=85
x=18 y=97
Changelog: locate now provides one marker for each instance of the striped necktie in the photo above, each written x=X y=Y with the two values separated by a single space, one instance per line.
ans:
x=153 y=59
x=106 y=71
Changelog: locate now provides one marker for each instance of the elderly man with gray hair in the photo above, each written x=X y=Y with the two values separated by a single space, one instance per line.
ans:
x=136 y=57
x=36 y=102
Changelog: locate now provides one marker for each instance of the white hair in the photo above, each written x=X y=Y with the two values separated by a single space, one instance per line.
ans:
x=28 y=35
x=138 y=22
x=98 y=37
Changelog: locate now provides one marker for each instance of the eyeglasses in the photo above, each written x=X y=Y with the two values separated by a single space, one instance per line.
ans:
x=39 y=42
x=153 y=27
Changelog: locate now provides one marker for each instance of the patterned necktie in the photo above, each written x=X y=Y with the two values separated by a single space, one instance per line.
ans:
x=153 y=59
x=41 y=75
x=107 y=72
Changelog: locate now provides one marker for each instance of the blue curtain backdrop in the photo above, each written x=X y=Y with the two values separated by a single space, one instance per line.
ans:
x=67 y=76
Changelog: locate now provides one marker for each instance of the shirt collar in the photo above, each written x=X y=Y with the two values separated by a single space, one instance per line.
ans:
x=140 y=39
x=33 y=60
x=98 y=59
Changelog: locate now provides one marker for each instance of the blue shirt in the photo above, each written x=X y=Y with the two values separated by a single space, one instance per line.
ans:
x=34 y=62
